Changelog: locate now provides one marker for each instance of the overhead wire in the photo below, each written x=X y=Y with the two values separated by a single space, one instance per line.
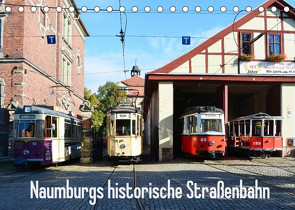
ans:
x=122 y=36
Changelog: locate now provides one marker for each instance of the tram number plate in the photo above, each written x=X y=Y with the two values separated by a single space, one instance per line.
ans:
x=256 y=143
x=123 y=116
x=203 y=139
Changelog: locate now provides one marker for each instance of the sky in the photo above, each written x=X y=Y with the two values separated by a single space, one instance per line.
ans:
x=152 y=39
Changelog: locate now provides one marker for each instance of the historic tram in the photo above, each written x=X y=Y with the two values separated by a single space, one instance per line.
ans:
x=124 y=132
x=43 y=136
x=257 y=134
x=203 y=131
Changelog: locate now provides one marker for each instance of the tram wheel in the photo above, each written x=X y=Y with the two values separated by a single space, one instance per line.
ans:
x=263 y=155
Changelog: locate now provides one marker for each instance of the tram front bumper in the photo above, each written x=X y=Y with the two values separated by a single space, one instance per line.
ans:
x=209 y=153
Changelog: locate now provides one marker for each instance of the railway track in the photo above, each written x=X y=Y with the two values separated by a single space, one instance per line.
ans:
x=105 y=184
x=138 y=202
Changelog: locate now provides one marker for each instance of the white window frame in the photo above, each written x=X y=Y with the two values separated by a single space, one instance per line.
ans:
x=67 y=29
x=66 y=76
x=1 y=37
x=2 y=84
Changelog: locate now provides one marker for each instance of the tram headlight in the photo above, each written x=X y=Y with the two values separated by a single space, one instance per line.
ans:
x=122 y=146
x=26 y=152
x=211 y=143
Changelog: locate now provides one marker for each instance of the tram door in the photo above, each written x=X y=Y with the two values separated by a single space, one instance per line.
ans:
x=61 y=139
x=257 y=140
x=56 y=132
x=55 y=136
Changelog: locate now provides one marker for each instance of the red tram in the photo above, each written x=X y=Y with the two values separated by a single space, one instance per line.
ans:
x=257 y=134
x=203 y=132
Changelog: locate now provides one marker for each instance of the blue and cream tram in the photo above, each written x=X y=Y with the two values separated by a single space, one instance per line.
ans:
x=44 y=136
x=124 y=133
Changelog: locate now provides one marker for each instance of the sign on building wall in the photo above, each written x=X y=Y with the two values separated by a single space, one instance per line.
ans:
x=263 y=67
x=51 y=39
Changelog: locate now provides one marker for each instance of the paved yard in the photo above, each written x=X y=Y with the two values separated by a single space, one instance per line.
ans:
x=277 y=174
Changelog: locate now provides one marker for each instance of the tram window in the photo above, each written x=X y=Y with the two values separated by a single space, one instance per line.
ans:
x=73 y=130
x=78 y=135
x=268 y=128
x=112 y=127
x=133 y=127
x=141 y=126
x=278 y=127
x=242 y=128
x=54 y=126
x=108 y=126
x=39 y=128
x=27 y=128
x=181 y=126
x=67 y=129
x=236 y=123
x=138 y=126
x=123 y=127
x=186 y=125
x=247 y=127
x=47 y=131
x=15 y=131
x=194 y=124
x=231 y=131
x=208 y=125
x=256 y=127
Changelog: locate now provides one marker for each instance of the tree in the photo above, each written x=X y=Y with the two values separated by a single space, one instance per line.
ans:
x=107 y=95
x=91 y=98
x=95 y=102
x=104 y=99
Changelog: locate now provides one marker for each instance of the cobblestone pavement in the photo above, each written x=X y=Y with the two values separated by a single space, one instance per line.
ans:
x=275 y=173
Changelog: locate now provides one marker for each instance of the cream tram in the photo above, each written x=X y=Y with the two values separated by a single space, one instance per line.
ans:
x=257 y=134
x=203 y=131
x=43 y=136
x=124 y=132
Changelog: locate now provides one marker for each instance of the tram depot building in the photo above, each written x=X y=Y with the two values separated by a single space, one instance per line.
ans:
x=34 y=72
x=235 y=70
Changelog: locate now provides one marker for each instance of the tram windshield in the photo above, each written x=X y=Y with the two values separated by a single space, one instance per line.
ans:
x=208 y=125
x=123 y=127
x=256 y=127
x=27 y=128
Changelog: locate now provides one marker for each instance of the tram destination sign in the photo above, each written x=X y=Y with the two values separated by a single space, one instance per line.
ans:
x=263 y=67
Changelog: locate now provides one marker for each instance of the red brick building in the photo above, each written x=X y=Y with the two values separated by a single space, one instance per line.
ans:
x=33 y=71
